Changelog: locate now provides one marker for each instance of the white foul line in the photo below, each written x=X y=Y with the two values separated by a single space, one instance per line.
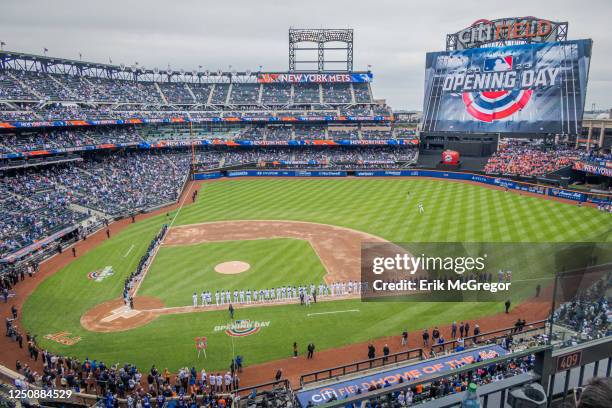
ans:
x=128 y=251
x=152 y=257
x=337 y=311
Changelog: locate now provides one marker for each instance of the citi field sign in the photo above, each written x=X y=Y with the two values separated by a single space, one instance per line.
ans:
x=528 y=29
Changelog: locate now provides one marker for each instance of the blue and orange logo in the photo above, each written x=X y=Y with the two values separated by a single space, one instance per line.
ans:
x=488 y=106
x=242 y=328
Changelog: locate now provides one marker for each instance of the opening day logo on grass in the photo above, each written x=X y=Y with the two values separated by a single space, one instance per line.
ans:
x=100 y=274
x=241 y=328
x=63 y=338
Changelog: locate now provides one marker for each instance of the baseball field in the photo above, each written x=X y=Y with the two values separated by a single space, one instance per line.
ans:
x=274 y=233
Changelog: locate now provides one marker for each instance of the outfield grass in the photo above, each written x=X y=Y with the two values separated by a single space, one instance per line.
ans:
x=178 y=271
x=453 y=212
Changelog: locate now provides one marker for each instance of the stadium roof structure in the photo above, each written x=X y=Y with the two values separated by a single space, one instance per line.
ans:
x=54 y=65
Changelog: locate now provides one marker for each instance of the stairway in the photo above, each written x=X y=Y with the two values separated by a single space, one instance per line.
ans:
x=161 y=94
x=23 y=84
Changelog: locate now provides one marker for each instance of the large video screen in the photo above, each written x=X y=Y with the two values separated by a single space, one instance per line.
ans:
x=528 y=88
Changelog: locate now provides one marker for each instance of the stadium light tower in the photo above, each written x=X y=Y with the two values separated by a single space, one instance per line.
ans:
x=335 y=40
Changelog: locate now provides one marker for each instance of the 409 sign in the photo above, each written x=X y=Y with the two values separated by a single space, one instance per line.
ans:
x=567 y=361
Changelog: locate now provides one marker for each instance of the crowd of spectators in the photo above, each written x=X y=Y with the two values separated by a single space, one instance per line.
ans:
x=356 y=110
x=404 y=133
x=124 y=183
x=56 y=111
x=43 y=86
x=124 y=381
x=36 y=203
x=52 y=96
x=41 y=211
x=176 y=92
x=362 y=93
x=19 y=113
x=309 y=132
x=276 y=94
x=219 y=94
x=449 y=385
x=279 y=133
x=528 y=158
x=341 y=157
x=343 y=133
x=597 y=157
x=53 y=139
x=381 y=110
x=376 y=134
x=13 y=89
x=337 y=93
x=589 y=314
x=307 y=93
x=245 y=94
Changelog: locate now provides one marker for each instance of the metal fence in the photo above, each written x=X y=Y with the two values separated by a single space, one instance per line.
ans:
x=362 y=365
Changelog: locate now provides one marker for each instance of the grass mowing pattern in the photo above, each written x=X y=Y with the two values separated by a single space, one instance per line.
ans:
x=453 y=212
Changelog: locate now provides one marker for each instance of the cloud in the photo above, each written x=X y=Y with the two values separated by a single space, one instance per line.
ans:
x=392 y=36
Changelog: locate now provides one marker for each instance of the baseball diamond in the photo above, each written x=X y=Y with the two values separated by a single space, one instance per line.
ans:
x=436 y=231
x=368 y=209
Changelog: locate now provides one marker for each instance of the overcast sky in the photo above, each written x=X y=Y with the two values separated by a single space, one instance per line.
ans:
x=391 y=36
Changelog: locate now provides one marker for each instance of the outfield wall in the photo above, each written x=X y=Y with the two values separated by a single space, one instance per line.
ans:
x=565 y=194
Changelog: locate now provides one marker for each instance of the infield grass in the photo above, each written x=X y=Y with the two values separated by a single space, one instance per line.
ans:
x=178 y=271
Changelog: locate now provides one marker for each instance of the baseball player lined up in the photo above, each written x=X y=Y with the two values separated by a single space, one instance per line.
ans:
x=280 y=294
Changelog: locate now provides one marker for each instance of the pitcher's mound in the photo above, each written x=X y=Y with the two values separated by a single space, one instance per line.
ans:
x=232 y=267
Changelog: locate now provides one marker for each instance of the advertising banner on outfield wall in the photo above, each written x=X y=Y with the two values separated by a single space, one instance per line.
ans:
x=475 y=178
x=528 y=88
x=207 y=176
x=285 y=173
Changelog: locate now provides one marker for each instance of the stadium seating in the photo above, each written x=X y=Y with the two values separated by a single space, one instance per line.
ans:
x=343 y=133
x=27 y=141
x=362 y=93
x=219 y=94
x=201 y=92
x=307 y=94
x=176 y=92
x=245 y=94
x=526 y=158
x=276 y=94
x=319 y=157
x=13 y=89
x=37 y=202
x=337 y=93
x=41 y=96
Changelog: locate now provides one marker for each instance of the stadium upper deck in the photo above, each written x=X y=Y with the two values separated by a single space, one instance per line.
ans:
x=37 y=88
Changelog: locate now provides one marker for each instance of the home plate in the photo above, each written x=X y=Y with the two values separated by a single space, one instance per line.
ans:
x=123 y=312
